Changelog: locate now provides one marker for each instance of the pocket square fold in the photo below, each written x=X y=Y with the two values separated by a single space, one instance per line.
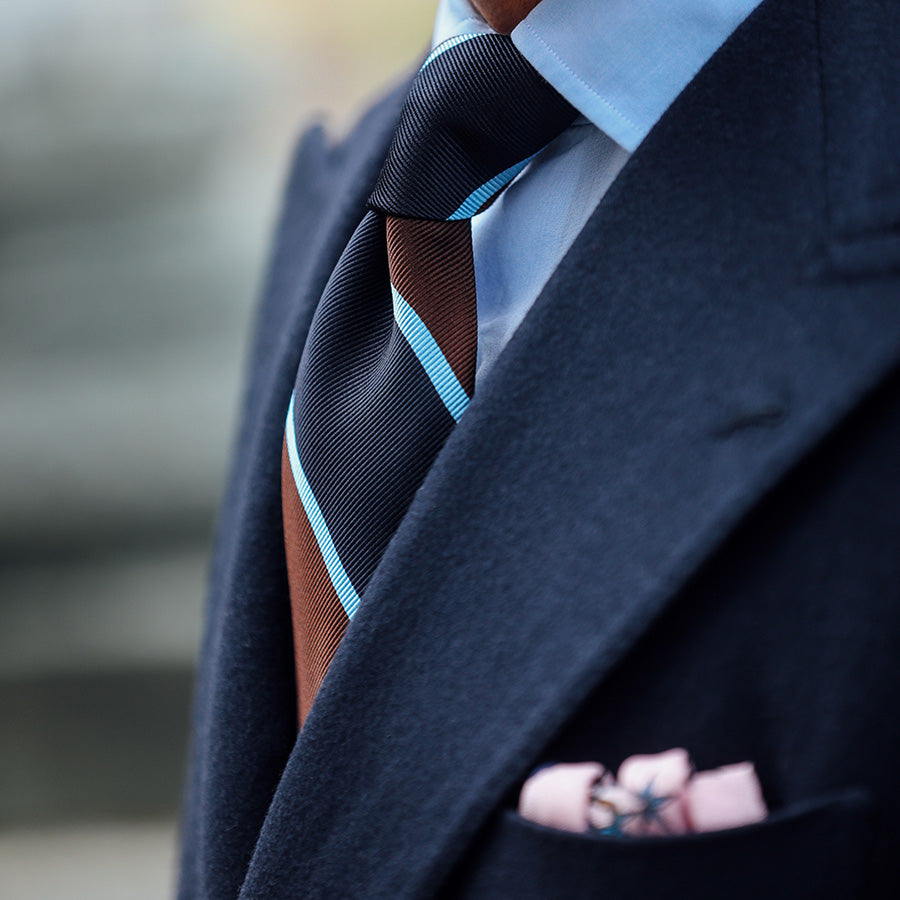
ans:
x=650 y=796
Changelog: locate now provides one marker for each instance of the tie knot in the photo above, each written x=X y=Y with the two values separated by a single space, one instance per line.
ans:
x=476 y=114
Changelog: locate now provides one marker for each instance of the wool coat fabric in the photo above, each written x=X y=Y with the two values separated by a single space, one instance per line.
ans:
x=669 y=517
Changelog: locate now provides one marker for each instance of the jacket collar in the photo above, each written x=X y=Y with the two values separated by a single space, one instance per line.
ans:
x=657 y=390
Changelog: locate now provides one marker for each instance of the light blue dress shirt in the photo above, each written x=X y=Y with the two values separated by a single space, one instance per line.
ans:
x=620 y=63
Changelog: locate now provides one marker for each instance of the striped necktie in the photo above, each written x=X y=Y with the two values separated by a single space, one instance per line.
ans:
x=389 y=363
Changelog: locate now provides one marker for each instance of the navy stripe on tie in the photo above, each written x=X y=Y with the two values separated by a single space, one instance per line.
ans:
x=359 y=472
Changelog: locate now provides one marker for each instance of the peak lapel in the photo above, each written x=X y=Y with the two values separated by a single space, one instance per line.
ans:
x=686 y=354
x=245 y=718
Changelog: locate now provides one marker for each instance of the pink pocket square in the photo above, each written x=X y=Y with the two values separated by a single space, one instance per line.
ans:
x=649 y=796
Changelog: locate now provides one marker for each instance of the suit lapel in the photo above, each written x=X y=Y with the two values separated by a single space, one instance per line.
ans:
x=687 y=353
x=245 y=718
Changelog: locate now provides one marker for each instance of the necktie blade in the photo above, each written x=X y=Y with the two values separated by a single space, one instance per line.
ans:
x=389 y=364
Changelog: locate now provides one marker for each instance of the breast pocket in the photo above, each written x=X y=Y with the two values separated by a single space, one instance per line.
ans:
x=817 y=850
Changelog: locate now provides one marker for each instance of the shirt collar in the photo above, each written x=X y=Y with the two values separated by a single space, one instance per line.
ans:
x=620 y=63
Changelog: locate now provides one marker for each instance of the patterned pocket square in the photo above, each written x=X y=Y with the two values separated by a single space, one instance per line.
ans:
x=650 y=796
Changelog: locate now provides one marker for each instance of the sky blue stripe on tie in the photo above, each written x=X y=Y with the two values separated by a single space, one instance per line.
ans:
x=431 y=356
x=473 y=202
x=446 y=45
x=345 y=590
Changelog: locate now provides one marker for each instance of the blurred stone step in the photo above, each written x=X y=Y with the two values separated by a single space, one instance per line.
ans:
x=94 y=450
x=102 y=614
x=109 y=861
x=92 y=745
x=96 y=673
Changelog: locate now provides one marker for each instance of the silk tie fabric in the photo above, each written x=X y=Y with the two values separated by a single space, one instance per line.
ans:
x=389 y=364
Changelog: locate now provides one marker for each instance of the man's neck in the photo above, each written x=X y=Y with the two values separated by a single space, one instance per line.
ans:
x=504 y=15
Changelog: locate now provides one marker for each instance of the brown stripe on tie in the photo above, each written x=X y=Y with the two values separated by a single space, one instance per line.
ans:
x=319 y=619
x=431 y=266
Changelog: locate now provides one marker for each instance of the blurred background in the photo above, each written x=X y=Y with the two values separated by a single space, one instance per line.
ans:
x=143 y=144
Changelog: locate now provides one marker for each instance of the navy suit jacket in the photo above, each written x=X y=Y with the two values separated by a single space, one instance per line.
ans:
x=669 y=517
